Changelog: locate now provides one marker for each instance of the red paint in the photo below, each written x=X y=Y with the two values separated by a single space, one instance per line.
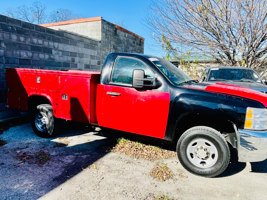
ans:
x=136 y=111
x=238 y=91
x=16 y=95
x=80 y=102
x=72 y=95
x=78 y=86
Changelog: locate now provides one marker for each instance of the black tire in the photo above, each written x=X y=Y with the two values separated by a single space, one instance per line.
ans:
x=203 y=151
x=43 y=121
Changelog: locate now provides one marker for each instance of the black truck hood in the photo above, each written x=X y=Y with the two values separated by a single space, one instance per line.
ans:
x=251 y=85
x=230 y=90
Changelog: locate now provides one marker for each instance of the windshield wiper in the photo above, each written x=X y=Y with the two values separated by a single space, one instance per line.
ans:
x=189 y=81
x=244 y=80
x=220 y=79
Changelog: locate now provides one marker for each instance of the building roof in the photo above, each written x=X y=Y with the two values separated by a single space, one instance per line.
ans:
x=74 y=21
x=84 y=20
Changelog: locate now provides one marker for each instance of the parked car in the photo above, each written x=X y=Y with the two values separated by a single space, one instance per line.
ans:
x=240 y=76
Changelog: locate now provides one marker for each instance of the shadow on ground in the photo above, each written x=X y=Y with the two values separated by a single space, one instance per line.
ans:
x=24 y=178
x=259 y=167
x=234 y=166
x=75 y=148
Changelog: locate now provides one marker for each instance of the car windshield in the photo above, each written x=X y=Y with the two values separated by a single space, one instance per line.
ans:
x=246 y=75
x=175 y=75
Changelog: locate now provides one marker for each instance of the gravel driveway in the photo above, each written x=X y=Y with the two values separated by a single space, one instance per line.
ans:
x=78 y=165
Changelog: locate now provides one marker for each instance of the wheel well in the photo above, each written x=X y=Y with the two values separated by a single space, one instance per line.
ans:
x=219 y=124
x=36 y=100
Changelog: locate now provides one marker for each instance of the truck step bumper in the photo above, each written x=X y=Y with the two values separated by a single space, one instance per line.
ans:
x=252 y=145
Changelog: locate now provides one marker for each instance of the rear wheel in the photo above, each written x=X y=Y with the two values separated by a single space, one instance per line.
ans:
x=203 y=151
x=43 y=122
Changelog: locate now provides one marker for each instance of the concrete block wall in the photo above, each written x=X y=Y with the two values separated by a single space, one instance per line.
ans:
x=118 y=39
x=113 y=38
x=27 y=45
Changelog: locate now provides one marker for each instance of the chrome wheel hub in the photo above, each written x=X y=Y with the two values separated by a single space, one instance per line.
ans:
x=41 y=122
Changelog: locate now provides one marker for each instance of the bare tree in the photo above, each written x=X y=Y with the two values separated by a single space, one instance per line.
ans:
x=62 y=15
x=24 y=13
x=10 y=12
x=37 y=14
x=38 y=11
x=233 y=32
x=33 y=14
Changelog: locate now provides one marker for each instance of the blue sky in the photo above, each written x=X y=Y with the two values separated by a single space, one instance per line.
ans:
x=130 y=14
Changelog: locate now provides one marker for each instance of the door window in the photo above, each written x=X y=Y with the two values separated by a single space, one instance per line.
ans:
x=123 y=70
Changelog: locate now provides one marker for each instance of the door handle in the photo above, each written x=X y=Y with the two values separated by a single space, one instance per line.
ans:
x=114 y=93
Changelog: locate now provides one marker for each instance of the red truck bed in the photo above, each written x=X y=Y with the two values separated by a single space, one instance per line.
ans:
x=72 y=93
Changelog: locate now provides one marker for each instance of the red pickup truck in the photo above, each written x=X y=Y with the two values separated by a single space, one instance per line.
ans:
x=149 y=96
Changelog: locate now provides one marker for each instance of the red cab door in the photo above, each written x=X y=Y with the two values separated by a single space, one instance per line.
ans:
x=122 y=107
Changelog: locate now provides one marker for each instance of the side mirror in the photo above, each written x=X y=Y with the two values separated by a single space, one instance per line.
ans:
x=265 y=82
x=138 y=78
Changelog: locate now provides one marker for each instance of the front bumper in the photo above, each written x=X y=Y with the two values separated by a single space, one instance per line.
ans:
x=251 y=145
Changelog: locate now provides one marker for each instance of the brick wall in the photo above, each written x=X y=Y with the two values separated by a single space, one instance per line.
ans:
x=31 y=46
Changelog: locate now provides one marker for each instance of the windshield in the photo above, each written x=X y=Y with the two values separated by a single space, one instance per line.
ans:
x=175 y=75
x=247 y=75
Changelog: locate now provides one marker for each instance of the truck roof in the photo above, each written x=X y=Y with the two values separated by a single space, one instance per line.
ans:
x=135 y=54
x=228 y=67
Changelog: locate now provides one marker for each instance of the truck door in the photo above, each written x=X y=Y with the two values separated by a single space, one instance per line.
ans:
x=122 y=107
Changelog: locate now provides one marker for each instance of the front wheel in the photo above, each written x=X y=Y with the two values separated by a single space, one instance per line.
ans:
x=43 y=122
x=203 y=151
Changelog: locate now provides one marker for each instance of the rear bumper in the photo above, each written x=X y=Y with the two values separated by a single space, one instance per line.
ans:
x=251 y=145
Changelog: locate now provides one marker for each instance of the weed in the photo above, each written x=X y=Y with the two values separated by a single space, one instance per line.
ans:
x=42 y=157
x=163 y=197
x=122 y=140
x=181 y=173
x=39 y=157
x=161 y=172
x=138 y=145
x=139 y=150
x=94 y=166
x=24 y=156
x=156 y=148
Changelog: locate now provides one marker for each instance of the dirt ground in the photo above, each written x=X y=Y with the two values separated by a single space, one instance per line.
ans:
x=78 y=164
